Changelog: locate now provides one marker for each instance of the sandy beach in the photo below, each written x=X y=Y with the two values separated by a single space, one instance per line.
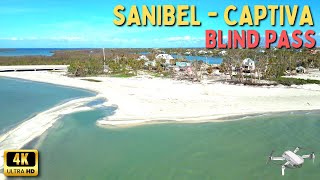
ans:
x=144 y=100
x=19 y=136
x=141 y=100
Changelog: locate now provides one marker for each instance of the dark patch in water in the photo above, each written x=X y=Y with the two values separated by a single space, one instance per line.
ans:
x=96 y=102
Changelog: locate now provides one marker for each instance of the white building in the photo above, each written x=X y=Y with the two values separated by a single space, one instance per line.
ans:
x=223 y=53
x=151 y=63
x=202 y=52
x=300 y=69
x=143 y=57
x=249 y=64
x=166 y=57
x=158 y=51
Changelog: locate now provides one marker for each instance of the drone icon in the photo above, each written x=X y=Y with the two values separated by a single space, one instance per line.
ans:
x=292 y=159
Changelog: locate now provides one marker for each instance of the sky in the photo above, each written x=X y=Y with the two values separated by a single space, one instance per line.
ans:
x=86 y=24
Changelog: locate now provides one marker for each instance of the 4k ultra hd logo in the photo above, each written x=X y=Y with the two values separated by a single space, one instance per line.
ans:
x=21 y=162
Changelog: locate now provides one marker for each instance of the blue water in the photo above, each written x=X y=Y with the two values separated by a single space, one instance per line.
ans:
x=50 y=52
x=77 y=149
x=144 y=53
x=31 y=51
x=20 y=99
x=209 y=60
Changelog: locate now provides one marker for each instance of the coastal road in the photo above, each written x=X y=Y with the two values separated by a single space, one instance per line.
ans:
x=34 y=68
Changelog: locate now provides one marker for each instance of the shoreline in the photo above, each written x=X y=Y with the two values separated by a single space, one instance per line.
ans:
x=217 y=119
x=26 y=131
x=142 y=100
x=59 y=85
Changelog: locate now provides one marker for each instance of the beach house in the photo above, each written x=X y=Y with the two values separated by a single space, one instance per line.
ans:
x=188 y=53
x=222 y=53
x=248 y=65
x=300 y=69
x=150 y=63
x=314 y=51
x=143 y=57
x=166 y=57
x=202 y=52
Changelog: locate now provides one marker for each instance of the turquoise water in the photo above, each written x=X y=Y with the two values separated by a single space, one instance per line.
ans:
x=209 y=60
x=32 y=51
x=77 y=149
x=27 y=52
x=22 y=99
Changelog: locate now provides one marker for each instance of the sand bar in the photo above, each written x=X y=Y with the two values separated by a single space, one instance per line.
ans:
x=145 y=100
x=19 y=136
x=142 y=100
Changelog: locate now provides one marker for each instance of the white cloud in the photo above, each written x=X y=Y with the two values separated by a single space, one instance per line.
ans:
x=18 y=10
x=59 y=38
x=155 y=39
x=183 y=38
x=179 y=38
x=11 y=39
x=109 y=41
x=121 y=40
x=66 y=38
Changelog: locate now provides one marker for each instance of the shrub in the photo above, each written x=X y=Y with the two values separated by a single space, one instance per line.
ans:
x=85 y=68
x=296 y=81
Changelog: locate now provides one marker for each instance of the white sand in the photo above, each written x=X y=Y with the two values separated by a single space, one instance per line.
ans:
x=34 y=127
x=142 y=100
x=313 y=74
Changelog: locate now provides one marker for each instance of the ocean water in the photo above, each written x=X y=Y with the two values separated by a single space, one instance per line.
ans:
x=22 y=99
x=209 y=60
x=26 y=52
x=32 y=51
x=75 y=148
x=50 y=52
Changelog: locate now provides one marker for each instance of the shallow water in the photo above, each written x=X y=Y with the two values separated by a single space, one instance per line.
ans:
x=209 y=60
x=31 y=51
x=22 y=99
x=27 y=52
x=77 y=149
